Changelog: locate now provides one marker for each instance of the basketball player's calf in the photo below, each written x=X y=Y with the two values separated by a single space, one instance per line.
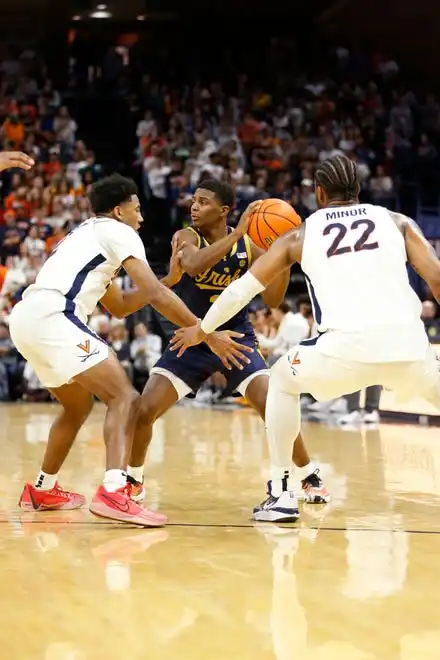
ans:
x=312 y=486
x=108 y=381
x=158 y=396
x=47 y=494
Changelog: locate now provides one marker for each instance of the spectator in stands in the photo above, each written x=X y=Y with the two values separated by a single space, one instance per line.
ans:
x=13 y=130
x=34 y=245
x=121 y=346
x=145 y=350
x=428 y=175
x=291 y=329
x=65 y=130
x=10 y=237
x=32 y=389
x=382 y=188
x=369 y=414
x=10 y=371
x=264 y=327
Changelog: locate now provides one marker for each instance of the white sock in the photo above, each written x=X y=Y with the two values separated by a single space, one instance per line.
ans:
x=277 y=475
x=114 y=479
x=136 y=473
x=46 y=481
x=305 y=470
x=283 y=420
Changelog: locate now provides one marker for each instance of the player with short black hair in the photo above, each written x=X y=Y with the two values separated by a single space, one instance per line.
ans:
x=110 y=192
x=49 y=328
x=212 y=255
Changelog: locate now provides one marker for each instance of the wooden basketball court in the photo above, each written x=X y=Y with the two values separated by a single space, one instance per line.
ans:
x=356 y=579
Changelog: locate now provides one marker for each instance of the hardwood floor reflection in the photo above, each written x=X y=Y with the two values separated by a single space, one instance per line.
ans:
x=355 y=579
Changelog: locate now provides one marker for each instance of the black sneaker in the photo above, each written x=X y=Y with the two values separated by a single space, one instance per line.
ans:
x=313 y=489
x=137 y=490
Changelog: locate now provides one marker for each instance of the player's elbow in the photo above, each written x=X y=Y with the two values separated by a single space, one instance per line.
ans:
x=115 y=309
x=192 y=267
x=118 y=312
x=273 y=298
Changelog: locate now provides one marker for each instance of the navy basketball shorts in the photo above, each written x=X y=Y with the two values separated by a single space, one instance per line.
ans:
x=198 y=363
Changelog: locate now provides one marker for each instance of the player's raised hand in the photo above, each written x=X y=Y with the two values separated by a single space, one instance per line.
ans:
x=175 y=270
x=243 y=223
x=10 y=159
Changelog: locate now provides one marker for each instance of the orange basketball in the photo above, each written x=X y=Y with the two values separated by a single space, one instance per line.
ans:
x=273 y=218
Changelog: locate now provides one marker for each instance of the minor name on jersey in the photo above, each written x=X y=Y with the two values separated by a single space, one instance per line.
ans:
x=346 y=213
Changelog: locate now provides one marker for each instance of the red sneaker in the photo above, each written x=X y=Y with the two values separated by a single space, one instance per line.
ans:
x=35 y=499
x=119 y=506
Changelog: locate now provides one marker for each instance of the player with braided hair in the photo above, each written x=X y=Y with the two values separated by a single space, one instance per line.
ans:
x=354 y=259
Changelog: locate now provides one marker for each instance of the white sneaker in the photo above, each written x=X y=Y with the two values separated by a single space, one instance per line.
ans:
x=372 y=417
x=319 y=407
x=277 y=509
x=354 y=417
x=339 y=406
x=204 y=396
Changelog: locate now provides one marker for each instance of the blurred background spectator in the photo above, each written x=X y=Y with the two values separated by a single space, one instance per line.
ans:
x=151 y=103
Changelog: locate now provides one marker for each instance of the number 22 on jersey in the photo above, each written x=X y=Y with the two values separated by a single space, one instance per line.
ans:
x=354 y=242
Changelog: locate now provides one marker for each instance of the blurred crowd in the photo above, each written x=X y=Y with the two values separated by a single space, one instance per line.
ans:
x=265 y=139
x=39 y=208
x=268 y=142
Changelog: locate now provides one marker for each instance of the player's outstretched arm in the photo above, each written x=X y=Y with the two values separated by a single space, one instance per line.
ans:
x=421 y=255
x=156 y=294
x=151 y=291
x=281 y=255
x=195 y=261
x=9 y=159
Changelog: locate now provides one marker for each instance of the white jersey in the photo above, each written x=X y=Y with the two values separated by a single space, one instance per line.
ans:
x=354 y=260
x=85 y=262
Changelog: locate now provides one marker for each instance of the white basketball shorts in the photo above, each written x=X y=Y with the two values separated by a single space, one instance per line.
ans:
x=305 y=369
x=55 y=342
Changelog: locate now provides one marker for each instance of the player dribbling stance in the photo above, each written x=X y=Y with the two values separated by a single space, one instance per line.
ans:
x=212 y=255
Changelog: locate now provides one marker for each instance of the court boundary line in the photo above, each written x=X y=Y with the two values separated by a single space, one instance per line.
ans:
x=182 y=525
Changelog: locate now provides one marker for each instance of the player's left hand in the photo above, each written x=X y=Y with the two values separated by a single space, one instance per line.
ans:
x=10 y=159
x=231 y=353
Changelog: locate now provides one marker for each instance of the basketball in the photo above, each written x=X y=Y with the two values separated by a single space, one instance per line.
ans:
x=273 y=218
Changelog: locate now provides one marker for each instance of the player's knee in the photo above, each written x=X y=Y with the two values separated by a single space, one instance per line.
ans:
x=147 y=411
x=127 y=398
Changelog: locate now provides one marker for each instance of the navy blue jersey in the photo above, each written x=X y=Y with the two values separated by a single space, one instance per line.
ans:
x=198 y=362
x=199 y=292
